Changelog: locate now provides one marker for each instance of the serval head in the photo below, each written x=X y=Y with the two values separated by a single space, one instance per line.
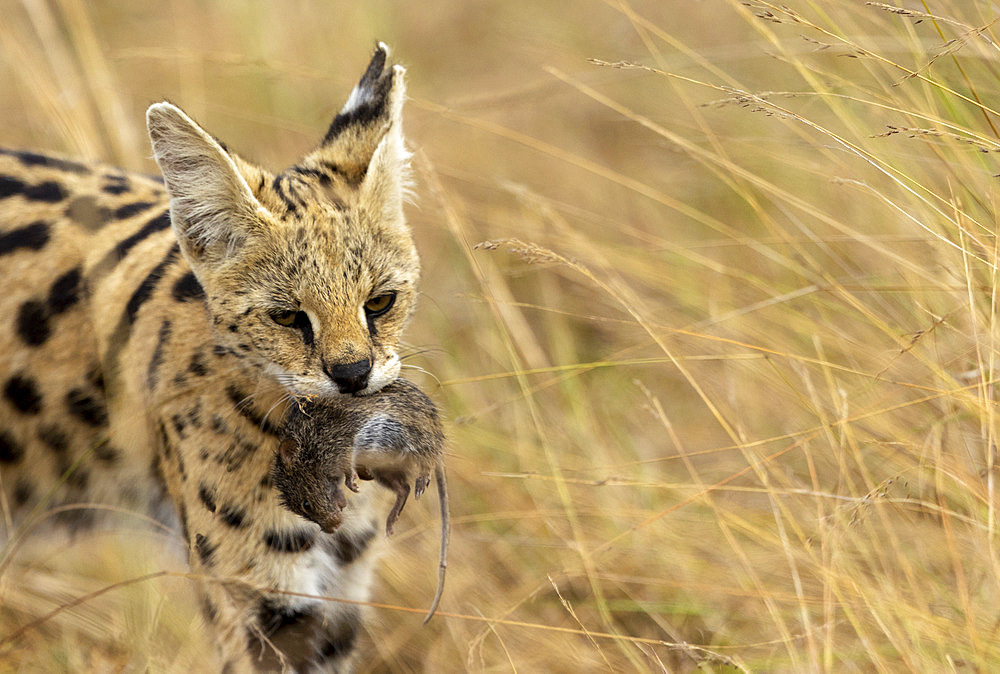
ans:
x=310 y=274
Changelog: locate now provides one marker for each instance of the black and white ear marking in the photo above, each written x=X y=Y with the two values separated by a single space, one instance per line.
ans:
x=364 y=147
x=369 y=98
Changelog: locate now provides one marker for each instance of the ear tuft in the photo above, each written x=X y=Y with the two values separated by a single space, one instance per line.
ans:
x=364 y=149
x=369 y=98
x=372 y=112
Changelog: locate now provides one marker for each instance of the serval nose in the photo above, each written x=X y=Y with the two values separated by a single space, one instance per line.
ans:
x=349 y=377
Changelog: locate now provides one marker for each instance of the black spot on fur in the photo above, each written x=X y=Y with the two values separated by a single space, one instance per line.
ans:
x=180 y=466
x=54 y=438
x=330 y=166
x=218 y=424
x=95 y=377
x=106 y=453
x=21 y=391
x=187 y=288
x=348 y=548
x=116 y=184
x=194 y=415
x=289 y=541
x=245 y=407
x=65 y=291
x=233 y=516
x=9 y=186
x=182 y=515
x=340 y=637
x=33 y=237
x=164 y=439
x=48 y=191
x=272 y=615
x=122 y=248
x=236 y=453
x=156 y=224
x=33 y=323
x=156 y=468
x=76 y=477
x=34 y=159
x=204 y=548
x=153 y=372
x=75 y=518
x=10 y=451
x=145 y=290
x=197 y=366
x=179 y=425
x=23 y=491
x=208 y=608
x=115 y=188
x=86 y=408
x=285 y=191
x=128 y=210
x=294 y=632
x=323 y=177
x=207 y=498
x=33 y=317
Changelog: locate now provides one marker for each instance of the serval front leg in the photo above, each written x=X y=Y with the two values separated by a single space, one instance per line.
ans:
x=257 y=558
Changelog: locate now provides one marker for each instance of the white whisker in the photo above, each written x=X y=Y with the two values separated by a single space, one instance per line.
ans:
x=419 y=352
x=420 y=369
x=247 y=400
x=283 y=398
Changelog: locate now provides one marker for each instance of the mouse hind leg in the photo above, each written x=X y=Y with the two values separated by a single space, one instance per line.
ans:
x=397 y=483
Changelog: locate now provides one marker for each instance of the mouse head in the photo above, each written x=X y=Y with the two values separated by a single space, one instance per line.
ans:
x=309 y=473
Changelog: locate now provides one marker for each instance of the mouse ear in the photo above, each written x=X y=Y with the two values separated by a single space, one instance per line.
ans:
x=287 y=450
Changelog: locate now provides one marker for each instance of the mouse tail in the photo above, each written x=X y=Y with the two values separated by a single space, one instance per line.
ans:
x=442 y=486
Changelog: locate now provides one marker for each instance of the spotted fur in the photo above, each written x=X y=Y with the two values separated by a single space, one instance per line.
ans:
x=156 y=329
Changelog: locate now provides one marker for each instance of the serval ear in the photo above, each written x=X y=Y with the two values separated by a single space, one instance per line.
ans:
x=212 y=208
x=364 y=144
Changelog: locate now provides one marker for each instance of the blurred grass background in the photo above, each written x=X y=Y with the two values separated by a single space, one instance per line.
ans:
x=721 y=386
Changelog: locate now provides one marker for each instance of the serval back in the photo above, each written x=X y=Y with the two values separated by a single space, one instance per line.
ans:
x=157 y=329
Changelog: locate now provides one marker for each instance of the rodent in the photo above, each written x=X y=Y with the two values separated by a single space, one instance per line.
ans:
x=393 y=437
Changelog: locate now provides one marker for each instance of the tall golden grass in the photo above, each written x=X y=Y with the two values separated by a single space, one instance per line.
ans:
x=710 y=302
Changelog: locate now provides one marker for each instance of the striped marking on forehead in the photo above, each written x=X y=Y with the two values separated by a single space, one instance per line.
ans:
x=300 y=188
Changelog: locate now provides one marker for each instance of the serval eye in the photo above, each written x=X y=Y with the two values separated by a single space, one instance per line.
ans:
x=377 y=306
x=285 y=318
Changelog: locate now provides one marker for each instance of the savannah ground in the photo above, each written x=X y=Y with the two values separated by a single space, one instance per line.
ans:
x=709 y=302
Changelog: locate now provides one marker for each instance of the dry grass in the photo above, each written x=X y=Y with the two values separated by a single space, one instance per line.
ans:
x=722 y=385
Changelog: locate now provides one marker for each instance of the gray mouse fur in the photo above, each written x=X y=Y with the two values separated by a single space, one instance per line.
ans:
x=393 y=437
